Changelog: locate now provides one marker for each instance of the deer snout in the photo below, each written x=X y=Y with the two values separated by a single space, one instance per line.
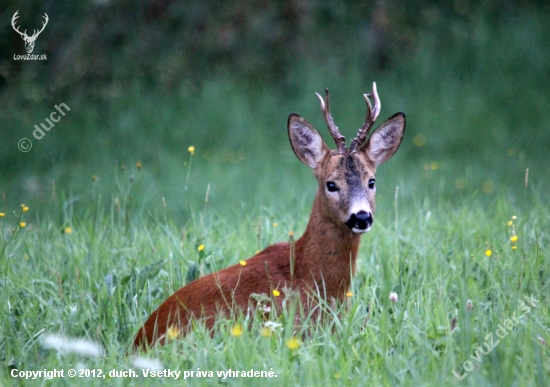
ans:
x=360 y=221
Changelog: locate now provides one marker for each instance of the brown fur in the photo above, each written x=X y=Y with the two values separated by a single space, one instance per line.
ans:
x=323 y=259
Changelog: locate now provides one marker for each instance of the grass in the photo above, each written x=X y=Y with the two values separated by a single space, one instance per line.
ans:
x=97 y=274
x=98 y=254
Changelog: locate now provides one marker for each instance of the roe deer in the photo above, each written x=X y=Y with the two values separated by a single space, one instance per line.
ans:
x=323 y=259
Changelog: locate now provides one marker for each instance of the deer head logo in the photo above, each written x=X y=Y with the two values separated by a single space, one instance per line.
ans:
x=29 y=40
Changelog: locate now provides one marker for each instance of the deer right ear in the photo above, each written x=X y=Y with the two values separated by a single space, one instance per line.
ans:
x=306 y=141
x=385 y=140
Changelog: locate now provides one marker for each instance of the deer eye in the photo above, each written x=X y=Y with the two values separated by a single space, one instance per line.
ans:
x=371 y=183
x=331 y=187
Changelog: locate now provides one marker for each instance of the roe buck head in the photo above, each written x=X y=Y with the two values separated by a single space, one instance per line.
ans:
x=346 y=180
x=29 y=40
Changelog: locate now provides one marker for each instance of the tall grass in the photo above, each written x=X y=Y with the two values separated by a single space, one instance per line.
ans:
x=97 y=275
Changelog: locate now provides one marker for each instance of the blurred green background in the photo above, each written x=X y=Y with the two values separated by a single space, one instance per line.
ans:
x=146 y=80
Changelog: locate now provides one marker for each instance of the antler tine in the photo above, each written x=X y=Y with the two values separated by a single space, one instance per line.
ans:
x=44 y=24
x=13 y=19
x=374 y=96
x=372 y=115
x=332 y=128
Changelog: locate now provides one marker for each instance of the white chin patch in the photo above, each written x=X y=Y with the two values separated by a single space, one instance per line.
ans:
x=360 y=230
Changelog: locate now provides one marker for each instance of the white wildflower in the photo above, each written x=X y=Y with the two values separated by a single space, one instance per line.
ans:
x=266 y=308
x=273 y=326
x=147 y=363
x=66 y=345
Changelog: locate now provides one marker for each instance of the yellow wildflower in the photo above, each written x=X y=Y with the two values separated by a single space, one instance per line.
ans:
x=514 y=238
x=191 y=150
x=242 y=263
x=276 y=293
x=291 y=234
x=514 y=247
x=274 y=224
x=22 y=224
x=138 y=165
x=172 y=333
x=509 y=223
x=200 y=248
x=349 y=294
x=488 y=252
x=237 y=330
x=24 y=208
x=2 y=214
x=269 y=328
x=68 y=230
x=293 y=343
x=419 y=140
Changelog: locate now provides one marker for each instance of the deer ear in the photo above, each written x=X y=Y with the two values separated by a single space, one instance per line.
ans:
x=385 y=140
x=306 y=141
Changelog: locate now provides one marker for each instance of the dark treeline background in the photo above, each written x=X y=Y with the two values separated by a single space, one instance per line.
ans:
x=167 y=43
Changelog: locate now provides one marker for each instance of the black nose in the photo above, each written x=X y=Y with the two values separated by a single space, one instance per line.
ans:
x=362 y=220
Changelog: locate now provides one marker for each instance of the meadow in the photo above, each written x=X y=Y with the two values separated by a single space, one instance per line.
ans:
x=99 y=225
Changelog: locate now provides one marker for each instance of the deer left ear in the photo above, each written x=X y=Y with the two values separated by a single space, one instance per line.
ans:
x=306 y=142
x=385 y=140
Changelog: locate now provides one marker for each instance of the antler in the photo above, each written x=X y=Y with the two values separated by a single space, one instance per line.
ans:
x=332 y=128
x=24 y=34
x=44 y=23
x=372 y=114
x=15 y=16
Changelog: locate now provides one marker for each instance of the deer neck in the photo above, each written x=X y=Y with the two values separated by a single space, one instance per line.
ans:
x=326 y=254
